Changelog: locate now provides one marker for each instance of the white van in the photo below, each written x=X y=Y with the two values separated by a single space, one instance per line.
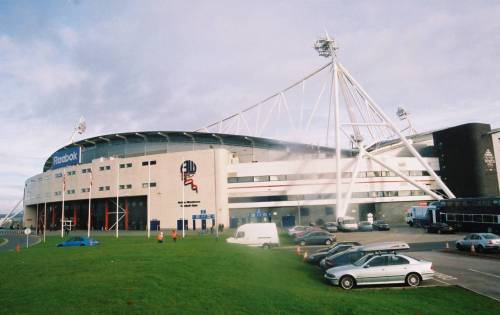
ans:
x=256 y=234
x=347 y=224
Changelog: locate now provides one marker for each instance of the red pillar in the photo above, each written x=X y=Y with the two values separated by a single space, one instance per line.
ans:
x=74 y=216
x=106 y=219
x=126 y=214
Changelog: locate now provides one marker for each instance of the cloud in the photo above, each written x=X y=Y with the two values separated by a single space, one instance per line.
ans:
x=162 y=65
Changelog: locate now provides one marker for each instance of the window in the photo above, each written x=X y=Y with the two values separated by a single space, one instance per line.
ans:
x=101 y=188
x=152 y=184
x=240 y=234
x=152 y=162
x=396 y=260
x=58 y=193
x=261 y=178
x=145 y=163
x=58 y=175
x=86 y=170
x=122 y=186
x=328 y=210
x=129 y=165
x=129 y=186
x=85 y=190
x=122 y=165
x=378 y=261
x=304 y=212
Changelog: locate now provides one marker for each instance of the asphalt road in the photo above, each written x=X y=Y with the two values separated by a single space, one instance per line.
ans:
x=13 y=240
x=477 y=274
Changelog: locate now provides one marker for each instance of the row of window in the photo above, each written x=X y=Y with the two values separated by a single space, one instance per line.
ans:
x=475 y=218
x=271 y=178
x=104 y=168
x=367 y=194
x=104 y=188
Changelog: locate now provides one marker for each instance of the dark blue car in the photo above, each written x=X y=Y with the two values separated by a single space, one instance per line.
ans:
x=78 y=241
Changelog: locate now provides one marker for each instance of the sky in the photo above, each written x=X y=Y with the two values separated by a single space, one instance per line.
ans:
x=180 y=65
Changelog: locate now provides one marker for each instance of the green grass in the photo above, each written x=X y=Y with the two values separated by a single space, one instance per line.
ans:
x=198 y=275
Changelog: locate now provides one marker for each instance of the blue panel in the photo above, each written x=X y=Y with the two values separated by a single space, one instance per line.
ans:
x=66 y=157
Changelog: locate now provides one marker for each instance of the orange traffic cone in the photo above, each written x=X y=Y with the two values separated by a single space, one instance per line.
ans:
x=18 y=248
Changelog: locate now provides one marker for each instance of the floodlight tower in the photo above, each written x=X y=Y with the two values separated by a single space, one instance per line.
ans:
x=403 y=114
x=327 y=47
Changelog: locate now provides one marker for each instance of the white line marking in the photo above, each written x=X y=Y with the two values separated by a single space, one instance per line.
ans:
x=444 y=276
x=441 y=281
x=485 y=273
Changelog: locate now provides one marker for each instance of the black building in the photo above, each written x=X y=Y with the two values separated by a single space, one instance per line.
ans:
x=465 y=155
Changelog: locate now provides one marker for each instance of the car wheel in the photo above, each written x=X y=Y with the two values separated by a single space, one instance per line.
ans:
x=413 y=280
x=480 y=248
x=302 y=243
x=328 y=242
x=347 y=282
x=266 y=246
x=458 y=246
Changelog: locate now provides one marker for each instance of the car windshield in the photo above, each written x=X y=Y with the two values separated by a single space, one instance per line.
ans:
x=362 y=260
x=380 y=222
x=490 y=236
x=348 y=221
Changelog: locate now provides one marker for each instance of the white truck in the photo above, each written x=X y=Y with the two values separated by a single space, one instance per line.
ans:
x=256 y=234
x=421 y=215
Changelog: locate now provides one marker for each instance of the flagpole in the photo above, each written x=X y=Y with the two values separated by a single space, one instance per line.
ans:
x=44 y=220
x=37 y=220
x=149 y=198
x=62 y=210
x=117 y=194
x=90 y=199
x=183 y=197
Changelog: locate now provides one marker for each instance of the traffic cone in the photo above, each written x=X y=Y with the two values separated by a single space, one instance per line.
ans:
x=305 y=255
x=472 y=249
x=18 y=248
x=298 y=250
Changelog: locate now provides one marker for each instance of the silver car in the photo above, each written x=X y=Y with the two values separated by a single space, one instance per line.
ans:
x=481 y=242
x=381 y=269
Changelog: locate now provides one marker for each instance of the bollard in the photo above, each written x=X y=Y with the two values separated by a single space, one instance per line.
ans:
x=298 y=250
x=472 y=249
x=18 y=248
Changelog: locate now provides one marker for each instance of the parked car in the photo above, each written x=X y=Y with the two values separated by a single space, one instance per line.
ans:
x=440 y=228
x=316 y=238
x=78 y=241
x=296 y=229
x=351 y=255
x=256 y=234
x=481 y=242
x=316 y=257
x=331 y=227
x=380 y=225
x=365 y=226
x=381 y=269
x=308 y=229
x=347 y=224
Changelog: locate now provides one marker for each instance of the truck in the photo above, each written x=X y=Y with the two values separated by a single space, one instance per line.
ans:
x=256 y=234
x=421 y=215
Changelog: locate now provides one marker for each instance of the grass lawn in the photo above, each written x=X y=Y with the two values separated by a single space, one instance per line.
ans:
x=198 y=275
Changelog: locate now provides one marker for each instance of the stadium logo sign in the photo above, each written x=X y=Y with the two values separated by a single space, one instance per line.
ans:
x=66 y=157
x=489 y=160
x=188 y=170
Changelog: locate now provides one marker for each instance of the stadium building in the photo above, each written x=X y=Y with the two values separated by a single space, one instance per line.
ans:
x=209 y=179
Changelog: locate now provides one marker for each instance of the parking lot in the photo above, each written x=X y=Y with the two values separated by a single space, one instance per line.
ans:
x=478 y=273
